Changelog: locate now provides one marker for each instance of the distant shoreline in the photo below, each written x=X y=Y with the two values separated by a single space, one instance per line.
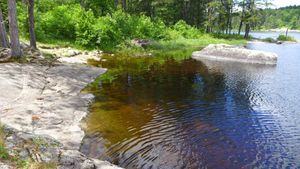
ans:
x=278 y=30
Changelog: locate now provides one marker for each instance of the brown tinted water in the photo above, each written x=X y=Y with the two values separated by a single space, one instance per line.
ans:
x=162 y=113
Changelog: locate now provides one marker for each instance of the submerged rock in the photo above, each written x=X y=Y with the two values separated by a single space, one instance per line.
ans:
x=222 y=52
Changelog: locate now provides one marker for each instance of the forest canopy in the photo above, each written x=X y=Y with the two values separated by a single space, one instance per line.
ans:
x=288 y=17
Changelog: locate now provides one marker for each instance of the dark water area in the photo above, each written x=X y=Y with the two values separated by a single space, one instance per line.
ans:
x=192 y=114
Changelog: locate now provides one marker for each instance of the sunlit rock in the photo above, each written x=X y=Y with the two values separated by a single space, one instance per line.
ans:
x=222 y=52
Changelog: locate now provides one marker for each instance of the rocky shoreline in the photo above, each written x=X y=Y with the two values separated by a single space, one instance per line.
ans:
x=43 y=103
x=44 y=149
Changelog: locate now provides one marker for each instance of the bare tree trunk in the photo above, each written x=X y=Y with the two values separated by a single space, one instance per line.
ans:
x=3 y=35
x=13 y=29
x=31 y=24
x=247 y=30
x=240 y=27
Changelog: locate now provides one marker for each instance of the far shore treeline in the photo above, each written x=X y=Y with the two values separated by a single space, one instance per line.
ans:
x=111 y=24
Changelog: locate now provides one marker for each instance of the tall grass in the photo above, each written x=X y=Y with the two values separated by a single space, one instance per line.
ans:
x=286 y=38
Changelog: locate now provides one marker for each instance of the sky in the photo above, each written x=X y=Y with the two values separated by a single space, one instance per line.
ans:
x=282 y=3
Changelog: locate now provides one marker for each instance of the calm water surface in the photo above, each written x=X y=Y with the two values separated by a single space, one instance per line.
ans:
x=193 y=114
x=274 y=35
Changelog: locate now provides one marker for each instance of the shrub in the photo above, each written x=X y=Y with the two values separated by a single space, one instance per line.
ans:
x=111 y=31
x=286 y=38
x=270 y=40
x=60 y=22
x=186 y=30
x=85 y=35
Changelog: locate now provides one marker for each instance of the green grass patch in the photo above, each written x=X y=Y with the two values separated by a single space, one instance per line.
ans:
x=286 y=38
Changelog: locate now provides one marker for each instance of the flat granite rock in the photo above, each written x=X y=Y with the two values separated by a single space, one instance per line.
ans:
x=222 y=52
x=46 y=100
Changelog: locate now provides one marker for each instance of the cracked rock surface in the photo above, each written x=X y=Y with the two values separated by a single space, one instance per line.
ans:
x=44 y=100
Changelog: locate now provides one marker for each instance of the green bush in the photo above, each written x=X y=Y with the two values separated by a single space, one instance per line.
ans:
x=61 y=22
x=67 y=21
x=84 y=29
x=186 y=31
x=270 y=40
x=286 y=38
x=110 y=31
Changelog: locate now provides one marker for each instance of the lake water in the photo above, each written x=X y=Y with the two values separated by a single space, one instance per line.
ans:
x=190 y=114
x=274 y=35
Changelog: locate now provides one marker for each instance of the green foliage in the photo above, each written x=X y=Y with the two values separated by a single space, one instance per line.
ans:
x=2 y=135
x=186 y=31
x=287 y=17
x=111 y=31
x=286 y=38
x=60 y=22
x=98 y=25
x=3 y=153
x=226 y=36
x=270 y=40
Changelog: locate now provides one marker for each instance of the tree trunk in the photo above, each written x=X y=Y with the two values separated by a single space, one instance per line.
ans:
x=242 y=18
x=31 y=24
x=13 y=29
x=240 y=27
x=247 y=30
x=3 y=36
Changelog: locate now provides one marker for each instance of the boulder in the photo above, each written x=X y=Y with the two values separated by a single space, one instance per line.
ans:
x=141 y=42
x=222 y=52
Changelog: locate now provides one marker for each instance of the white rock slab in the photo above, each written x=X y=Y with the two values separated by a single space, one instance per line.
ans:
x=46 y=100
x=222 y=52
